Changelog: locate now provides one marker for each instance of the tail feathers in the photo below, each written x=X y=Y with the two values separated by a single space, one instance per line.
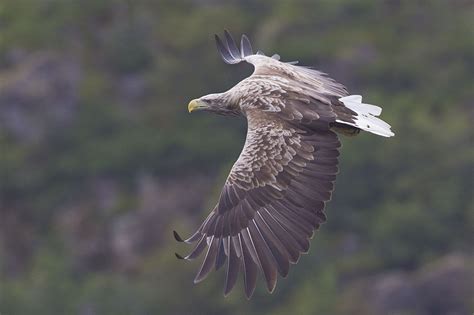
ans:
x=354 y=102
x=366 y=116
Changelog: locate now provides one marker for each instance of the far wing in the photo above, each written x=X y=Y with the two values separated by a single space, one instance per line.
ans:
x=272 y=66
x=271 y=203
x=321 y=93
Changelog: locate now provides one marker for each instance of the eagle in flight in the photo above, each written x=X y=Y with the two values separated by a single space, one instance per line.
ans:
x=274 y=197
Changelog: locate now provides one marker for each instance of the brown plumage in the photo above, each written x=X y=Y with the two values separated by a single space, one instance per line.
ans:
x=274 y=197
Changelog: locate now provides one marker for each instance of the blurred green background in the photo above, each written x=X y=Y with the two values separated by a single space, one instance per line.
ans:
x=100 y=161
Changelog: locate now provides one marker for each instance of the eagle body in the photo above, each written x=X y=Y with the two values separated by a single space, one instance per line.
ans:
x=274 y=197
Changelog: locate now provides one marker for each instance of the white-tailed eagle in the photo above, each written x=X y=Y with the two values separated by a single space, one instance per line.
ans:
x=274 y=197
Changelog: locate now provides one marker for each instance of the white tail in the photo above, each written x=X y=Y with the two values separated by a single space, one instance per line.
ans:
x=366 y=116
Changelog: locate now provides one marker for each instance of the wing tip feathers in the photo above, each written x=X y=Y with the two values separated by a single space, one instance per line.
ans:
x=177 y=237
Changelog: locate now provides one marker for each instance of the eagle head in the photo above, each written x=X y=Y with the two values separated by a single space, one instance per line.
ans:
x=219 y=103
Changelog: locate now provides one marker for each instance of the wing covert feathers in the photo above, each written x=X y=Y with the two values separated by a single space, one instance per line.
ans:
x=270 y=205
x=324 y=97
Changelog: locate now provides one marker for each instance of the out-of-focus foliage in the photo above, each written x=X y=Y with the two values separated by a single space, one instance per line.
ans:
x=99 y=159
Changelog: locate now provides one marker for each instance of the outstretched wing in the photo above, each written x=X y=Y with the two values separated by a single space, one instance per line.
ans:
x=271 y=203
x=324 y=92
x=272 y=66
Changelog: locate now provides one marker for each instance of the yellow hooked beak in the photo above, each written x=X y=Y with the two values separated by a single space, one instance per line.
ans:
x=196 y=104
